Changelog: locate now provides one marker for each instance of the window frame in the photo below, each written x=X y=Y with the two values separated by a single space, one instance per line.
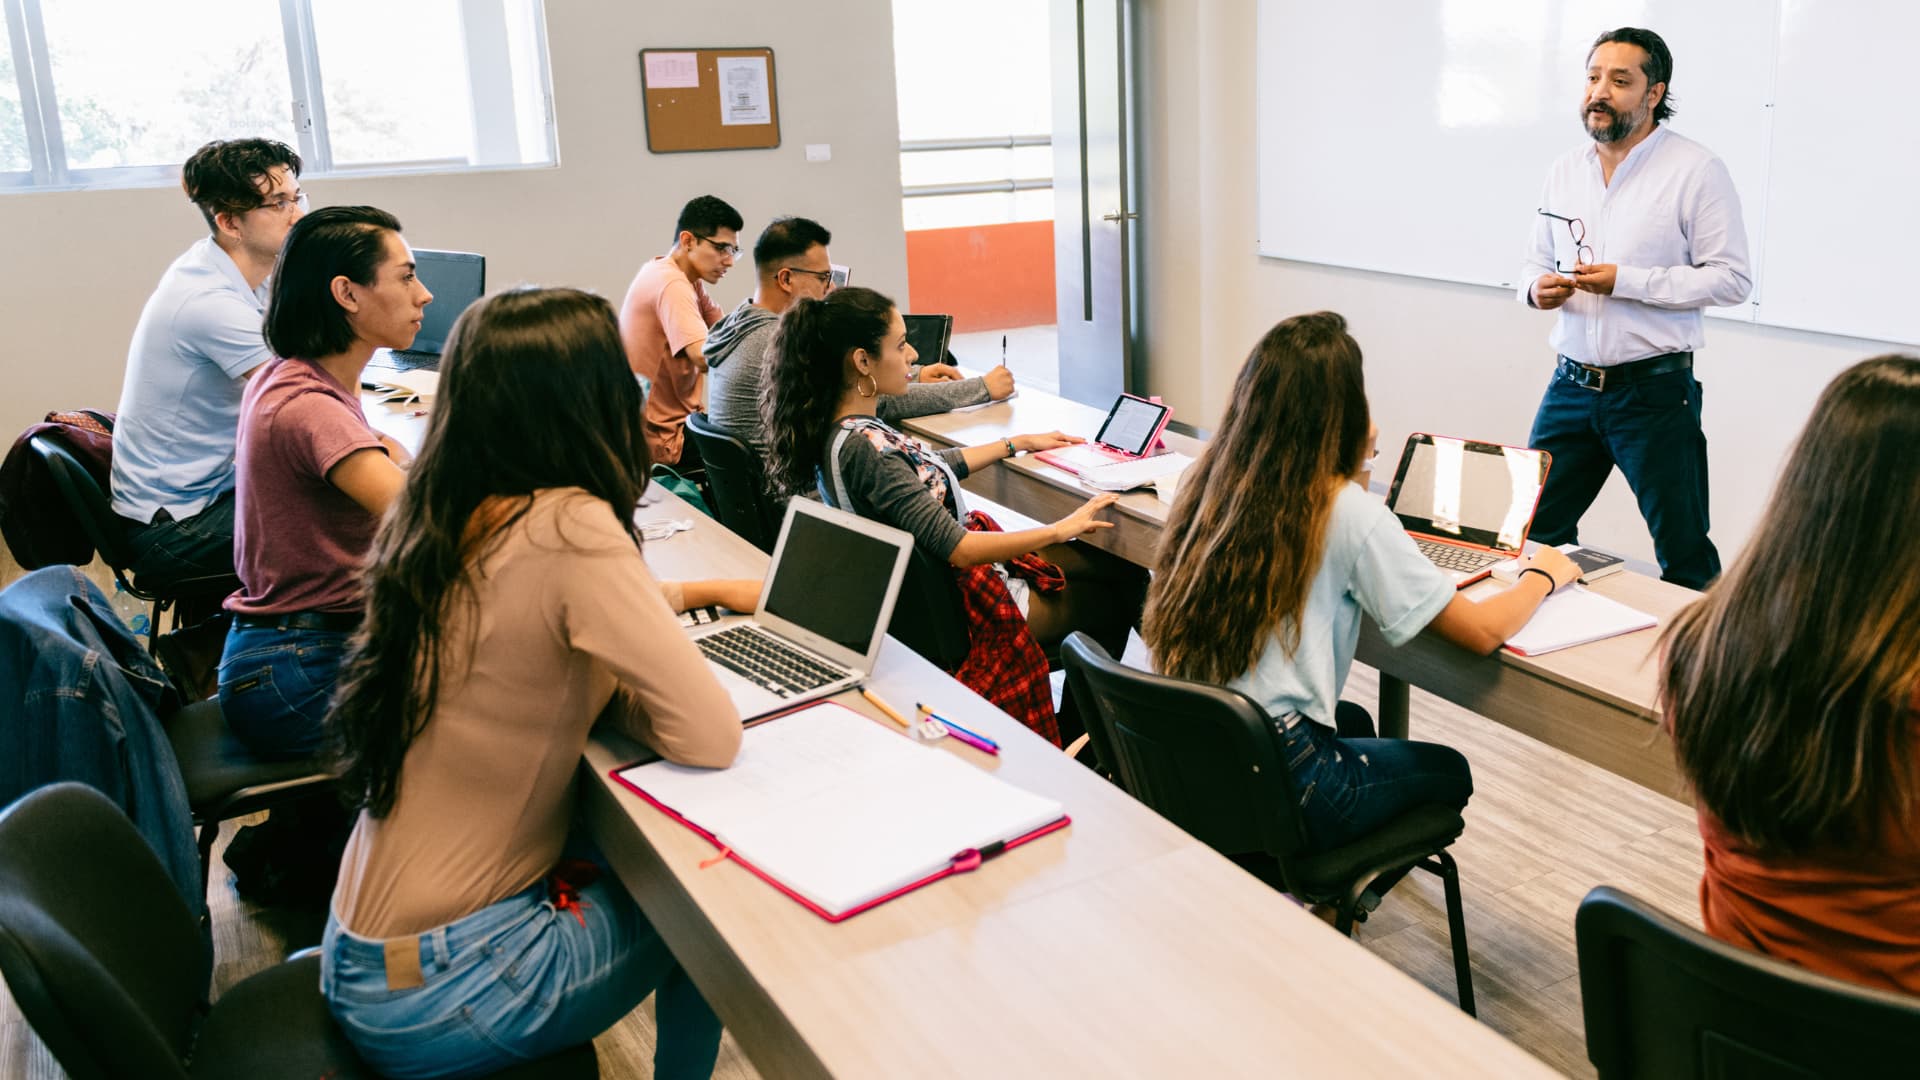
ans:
x=483 y=23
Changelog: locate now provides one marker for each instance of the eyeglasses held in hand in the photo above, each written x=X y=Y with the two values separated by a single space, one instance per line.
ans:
x=1582 y=251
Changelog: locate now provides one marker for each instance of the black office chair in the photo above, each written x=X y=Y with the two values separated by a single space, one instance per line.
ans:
x=109 y=968
x=738 y=485
x=95 y=511
x=225 y=780
x=1206 y=759
x=1665 y=1000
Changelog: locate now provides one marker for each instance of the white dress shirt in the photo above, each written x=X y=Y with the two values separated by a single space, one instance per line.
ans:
x=1670 y=221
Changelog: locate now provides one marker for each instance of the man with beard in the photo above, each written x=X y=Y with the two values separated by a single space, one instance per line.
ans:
x=1637 y=232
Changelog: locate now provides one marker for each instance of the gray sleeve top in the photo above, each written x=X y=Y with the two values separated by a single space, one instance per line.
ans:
x=925 y=399
x=886 y=486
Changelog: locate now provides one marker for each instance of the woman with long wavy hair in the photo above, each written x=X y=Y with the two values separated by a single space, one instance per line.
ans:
x=1792 y=689
x=1272 y=552
x=833 y=359
x=509 y=609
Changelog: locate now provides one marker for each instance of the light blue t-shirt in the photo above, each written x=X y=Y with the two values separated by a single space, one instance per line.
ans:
x=1370 y=565
x=180 y=404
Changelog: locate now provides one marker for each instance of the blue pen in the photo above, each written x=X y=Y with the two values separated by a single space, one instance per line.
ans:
x=971 y=738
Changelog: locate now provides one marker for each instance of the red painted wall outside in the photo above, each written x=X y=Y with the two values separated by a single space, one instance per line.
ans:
x=986 y=276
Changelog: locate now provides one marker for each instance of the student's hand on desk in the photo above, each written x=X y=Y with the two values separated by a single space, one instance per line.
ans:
x=999 y=383
x=1051 y=440
x=1597 y=278
x=1081 y=521
x=939 y=373
x=1551 y=291
x=1554 y=561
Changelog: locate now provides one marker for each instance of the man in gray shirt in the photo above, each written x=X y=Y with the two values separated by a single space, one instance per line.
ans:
x=792 y=262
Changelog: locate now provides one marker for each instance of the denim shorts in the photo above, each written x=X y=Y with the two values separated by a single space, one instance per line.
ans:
x=518 y=980
x=275 y=686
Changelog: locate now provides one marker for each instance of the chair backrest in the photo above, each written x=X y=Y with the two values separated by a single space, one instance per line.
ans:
x=928 y=618
x=1201 y=756
x=740 y=495
x=99 y=951
x=87 y=501
x=1665 y=1000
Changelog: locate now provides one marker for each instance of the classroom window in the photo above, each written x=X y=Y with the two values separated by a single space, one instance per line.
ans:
x=116 y=93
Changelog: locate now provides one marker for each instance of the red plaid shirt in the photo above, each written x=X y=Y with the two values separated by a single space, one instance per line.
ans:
x=1004 y=663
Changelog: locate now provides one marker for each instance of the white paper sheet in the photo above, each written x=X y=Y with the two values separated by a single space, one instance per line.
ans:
x=670 y=70
x=744 y=98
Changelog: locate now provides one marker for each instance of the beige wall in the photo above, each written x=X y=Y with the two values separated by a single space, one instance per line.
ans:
x=1459 y=359
x=75 y=267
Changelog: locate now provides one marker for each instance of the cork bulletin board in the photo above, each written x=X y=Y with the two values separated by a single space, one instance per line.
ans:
x=709 y=99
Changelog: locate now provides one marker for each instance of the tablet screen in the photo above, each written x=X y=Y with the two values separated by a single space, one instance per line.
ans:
x=1131 y=425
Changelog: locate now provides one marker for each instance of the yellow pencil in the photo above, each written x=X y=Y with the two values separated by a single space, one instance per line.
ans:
x=885 y=708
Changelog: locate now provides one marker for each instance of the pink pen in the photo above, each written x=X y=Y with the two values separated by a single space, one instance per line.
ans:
x=977 y=741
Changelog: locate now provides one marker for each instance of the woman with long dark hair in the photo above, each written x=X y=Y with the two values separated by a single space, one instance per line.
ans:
x=1274 y=549
x=833 y=359
x=508 y=609
x=1792 y=689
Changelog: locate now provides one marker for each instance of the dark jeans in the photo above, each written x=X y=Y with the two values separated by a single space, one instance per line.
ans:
x=1349 y=787
x=166 y=552
x=1651 y=429
x=275 y=686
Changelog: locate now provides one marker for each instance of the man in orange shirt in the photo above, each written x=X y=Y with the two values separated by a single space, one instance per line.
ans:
x=664 y=321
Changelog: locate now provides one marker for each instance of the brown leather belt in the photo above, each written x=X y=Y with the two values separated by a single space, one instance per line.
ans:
x=1602 y=379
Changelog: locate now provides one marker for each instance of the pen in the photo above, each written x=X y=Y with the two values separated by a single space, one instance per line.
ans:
x=877 y=703
x=1003 y=350
x=971 y=738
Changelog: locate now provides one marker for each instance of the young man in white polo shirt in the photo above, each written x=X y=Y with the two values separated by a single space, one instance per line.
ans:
x=198 y=339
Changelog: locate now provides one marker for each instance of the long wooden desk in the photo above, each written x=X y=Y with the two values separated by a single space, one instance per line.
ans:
x=1118 y=946
x=1596 y=701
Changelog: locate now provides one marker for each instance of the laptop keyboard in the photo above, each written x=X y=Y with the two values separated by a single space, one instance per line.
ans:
x=404 y=360
x=754 y=654
x=1465 y=560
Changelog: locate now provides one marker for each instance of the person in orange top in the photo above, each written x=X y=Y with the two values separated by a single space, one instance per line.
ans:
x=1792 y=689
x=664 y=321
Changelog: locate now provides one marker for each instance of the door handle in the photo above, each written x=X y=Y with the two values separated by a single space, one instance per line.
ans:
x=1127 y=216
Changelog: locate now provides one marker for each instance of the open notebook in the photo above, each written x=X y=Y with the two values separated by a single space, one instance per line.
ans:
x=842 y=814
x=1575 y=616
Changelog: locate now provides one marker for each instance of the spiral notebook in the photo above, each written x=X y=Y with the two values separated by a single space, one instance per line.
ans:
x=842 y=814
x=1575 y=616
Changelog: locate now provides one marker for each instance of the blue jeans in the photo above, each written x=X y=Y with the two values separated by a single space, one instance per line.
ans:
x=275 y=686
x=1651 y=429
x=163 y=554
x=515 y=981
x=1350 y=787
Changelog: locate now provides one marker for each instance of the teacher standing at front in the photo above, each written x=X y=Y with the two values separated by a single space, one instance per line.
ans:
x=1636 y=233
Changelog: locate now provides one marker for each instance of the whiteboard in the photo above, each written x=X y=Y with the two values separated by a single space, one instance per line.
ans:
x=1413 y=138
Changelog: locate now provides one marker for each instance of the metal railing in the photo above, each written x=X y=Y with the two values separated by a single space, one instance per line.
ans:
x=975 y=187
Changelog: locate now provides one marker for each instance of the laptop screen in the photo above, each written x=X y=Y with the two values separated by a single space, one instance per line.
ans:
x=832 y=581
x=929 y=336
x=456 y=279
x=1475 y=492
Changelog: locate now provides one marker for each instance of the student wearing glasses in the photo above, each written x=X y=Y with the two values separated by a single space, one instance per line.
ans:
x=196 y=344
x=664 y=321
x=1792 y=689
x=509 y=610
x=1272 y=552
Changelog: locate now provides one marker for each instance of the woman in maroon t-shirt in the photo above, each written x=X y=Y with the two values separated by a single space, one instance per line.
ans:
x=1792 y=687
x=312 y=478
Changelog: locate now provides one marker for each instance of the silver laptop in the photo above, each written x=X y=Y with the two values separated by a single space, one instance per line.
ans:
x=1468 y=505
x=822 y=615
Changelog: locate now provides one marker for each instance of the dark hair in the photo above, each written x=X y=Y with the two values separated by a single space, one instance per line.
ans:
x=787 y=238
x=809 y=375
x=1240 y=551
x=534 y=393
x=706 y=214
x=303 y=318
x=226 y=176
x=1790 y=687
x=1657 y=67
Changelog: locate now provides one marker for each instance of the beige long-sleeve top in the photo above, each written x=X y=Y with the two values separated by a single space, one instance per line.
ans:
x=568 y=627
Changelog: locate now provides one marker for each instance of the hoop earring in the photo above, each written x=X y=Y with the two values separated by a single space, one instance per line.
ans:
x=871 y=382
